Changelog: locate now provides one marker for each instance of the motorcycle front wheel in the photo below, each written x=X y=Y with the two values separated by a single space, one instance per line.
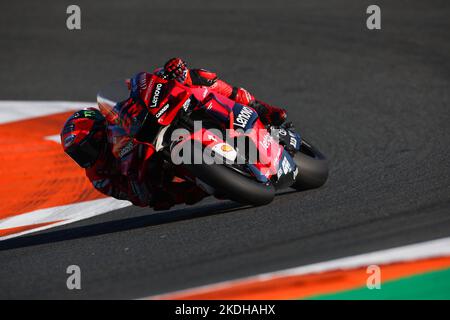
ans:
x=312 y=168
x=231 y=184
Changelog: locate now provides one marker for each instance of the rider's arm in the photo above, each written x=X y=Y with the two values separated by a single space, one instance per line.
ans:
x=268 y=114
x=207 y=78
x=118 y=186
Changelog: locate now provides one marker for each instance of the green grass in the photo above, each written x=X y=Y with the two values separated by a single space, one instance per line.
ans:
x=427 y=286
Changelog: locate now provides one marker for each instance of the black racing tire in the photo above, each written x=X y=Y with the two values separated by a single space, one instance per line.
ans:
x=312 y=168
x=232 y=185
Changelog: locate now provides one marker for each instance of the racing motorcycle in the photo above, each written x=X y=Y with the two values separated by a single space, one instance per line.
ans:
x=219 y=144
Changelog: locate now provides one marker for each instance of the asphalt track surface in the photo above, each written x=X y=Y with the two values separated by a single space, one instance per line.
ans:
x=375 y=102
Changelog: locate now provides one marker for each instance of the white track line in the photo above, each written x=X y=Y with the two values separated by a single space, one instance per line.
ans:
x=20 y=110
x=423 y=250
x=11 y=111
x=55 y=138
x=69 y=213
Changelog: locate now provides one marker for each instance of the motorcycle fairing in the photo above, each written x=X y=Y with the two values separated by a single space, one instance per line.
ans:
x=162 y=100
x=287 y=171
x=244 y=117
x=167 y=98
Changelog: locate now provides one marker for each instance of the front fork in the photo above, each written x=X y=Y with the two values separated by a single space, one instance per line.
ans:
x=287 y=169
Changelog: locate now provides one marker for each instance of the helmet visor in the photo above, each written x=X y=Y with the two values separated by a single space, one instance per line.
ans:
x=85 y=153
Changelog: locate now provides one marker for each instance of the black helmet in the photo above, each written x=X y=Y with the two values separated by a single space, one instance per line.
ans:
x=83 y=136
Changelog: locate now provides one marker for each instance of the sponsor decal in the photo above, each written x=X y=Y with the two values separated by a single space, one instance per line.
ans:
x=280 y=172
x=186 y=104
x=277 y=159
x=243 y=117
x=156 y=94
x=142 y=83
x=161 y=112
x=266 y=141
x=127 y=149
x=100 y=184
x=293 y=142
x=226 y=151
x=147 y=90
x=295 y=174
x=286 y=165
x=89 y=113
x=69 y=140
x=226 y=148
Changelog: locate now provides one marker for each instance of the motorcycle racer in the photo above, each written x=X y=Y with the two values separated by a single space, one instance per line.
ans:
x=136 y=176
x=89 y=139
x=177 y=69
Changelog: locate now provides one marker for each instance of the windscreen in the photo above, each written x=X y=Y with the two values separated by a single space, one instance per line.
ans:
x=114 y=103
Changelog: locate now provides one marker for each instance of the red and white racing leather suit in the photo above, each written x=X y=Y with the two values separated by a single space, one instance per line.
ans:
x=138 y=175
x=269 y=114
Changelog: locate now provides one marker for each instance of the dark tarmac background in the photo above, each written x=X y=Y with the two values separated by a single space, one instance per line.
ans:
x=375 y=102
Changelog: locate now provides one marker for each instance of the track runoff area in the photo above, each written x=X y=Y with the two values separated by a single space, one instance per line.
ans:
x=57 y=192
